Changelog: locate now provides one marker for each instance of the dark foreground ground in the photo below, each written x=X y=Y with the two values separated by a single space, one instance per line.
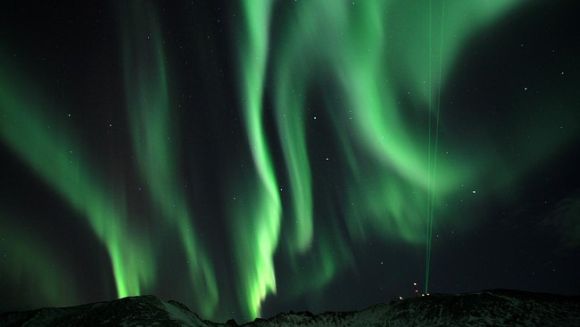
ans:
x=488 y=308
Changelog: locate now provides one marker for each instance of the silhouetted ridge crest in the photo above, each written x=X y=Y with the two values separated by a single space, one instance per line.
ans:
x=487 y=308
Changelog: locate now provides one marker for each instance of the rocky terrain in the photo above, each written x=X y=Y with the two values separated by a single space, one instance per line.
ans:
x=488 y=308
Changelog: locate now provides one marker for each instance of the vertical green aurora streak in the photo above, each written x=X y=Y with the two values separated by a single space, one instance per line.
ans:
x=155 y=141
x=49 y=148
x=256 y=231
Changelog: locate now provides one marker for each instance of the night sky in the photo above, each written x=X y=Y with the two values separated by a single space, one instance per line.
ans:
x=251 y=157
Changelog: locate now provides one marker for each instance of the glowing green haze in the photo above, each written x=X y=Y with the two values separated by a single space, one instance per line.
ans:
x=24 y=258
x=49 y=148
x=156 y=140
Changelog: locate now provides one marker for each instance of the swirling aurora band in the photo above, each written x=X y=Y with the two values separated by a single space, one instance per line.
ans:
x=334 y=34
x=351 y=60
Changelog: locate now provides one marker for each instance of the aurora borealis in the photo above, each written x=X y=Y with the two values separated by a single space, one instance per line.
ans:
x=250 y=157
